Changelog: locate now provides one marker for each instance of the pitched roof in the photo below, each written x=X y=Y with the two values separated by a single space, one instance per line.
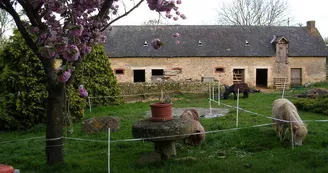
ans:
x=211 y=40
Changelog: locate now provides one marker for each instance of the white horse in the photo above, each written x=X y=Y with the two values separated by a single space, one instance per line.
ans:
x=285 y=116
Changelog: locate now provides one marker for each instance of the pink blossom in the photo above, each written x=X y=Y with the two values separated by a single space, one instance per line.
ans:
x=65 y=76
x=83 y=92
x=156 y=43
x=163 y=6
x=175 y=35
x=77 y=30
x=183 y=16
x=72 y=53
x=84 y=49
x=168 y=15
x=177 y=42
x=48 y=52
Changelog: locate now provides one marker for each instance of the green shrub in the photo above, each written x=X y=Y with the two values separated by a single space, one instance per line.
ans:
x=97 y=77
x=76 y=104
x=318 y=105
x=23 y=91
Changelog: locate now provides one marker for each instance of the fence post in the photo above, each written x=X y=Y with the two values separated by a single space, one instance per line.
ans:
x=237 y=107
x=108 y=150
x=219 y=93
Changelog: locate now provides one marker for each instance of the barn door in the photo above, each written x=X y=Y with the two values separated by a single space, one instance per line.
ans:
x=262 y=78
x=238 y=75
x=296 y=77
x=139 y=76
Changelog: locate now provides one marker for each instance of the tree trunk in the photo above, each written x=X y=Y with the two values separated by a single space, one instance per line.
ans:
x=54 y=131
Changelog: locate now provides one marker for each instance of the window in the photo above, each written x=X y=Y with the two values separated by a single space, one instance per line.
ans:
x=119 y=71
x=157 y=72
x=219 y=70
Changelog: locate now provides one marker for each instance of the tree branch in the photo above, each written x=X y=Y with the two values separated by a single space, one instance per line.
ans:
x=125 y=14
x=28 y=9
x=47 y=64
x=104 y=9
x=254 y=12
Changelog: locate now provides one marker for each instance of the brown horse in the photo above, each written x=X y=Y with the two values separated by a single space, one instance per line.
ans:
x=243 y=88
x=192 y=115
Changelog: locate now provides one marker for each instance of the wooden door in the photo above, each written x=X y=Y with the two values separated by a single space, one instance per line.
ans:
x=296 y=77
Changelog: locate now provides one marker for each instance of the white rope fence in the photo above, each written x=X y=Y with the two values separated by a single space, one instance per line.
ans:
x=42 y=138
x=134 y=95
x=211 y=99
x=254 y=113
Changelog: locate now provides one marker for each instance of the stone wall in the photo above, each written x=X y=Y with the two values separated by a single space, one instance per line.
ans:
x=155 y=89
x=183 y=69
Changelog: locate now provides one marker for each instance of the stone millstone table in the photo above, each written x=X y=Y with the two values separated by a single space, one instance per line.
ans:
x=176 y=129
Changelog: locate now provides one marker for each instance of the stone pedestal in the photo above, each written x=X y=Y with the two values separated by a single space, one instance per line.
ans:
x=165 y=149
x=163 y=134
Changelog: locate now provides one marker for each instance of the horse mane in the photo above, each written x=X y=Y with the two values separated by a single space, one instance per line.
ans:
x=291 y=110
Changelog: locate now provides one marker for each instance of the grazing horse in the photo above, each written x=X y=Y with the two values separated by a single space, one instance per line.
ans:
x=243 y=88
x=192 y=115
x=284 y=114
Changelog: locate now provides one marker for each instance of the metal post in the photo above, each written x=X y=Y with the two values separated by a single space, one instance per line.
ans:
x=209 y=91
x=210 y=97
x=237 y=107
x=292 y=133
x=213 y=92
x=108 y=150
x=219 y=93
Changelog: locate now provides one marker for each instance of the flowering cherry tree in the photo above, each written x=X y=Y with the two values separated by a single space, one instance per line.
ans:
x=67 y=30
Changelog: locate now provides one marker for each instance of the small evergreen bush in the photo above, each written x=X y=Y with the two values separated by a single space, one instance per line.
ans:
x=97 y=77
x=318 y=105
x=23 y=91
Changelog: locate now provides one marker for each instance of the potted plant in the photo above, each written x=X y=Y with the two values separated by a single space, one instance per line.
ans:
x=162 y=110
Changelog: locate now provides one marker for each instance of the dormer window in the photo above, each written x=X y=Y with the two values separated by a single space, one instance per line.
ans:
x=145 y=43
x=247 y=43
x=200 y=43
x=280 y=44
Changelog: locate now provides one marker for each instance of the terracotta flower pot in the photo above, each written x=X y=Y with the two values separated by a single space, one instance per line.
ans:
x=161 y=112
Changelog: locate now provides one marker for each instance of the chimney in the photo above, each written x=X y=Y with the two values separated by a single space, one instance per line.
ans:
x=310 y=25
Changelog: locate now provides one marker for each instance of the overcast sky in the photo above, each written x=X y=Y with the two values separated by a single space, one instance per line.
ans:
x=204 y=12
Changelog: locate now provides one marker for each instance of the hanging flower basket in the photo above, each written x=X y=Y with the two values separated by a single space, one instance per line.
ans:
x=161 y=112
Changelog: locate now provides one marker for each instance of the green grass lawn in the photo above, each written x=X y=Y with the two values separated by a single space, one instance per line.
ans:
x=246 y=149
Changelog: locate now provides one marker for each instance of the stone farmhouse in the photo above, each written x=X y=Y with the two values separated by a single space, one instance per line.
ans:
x=262 y=56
